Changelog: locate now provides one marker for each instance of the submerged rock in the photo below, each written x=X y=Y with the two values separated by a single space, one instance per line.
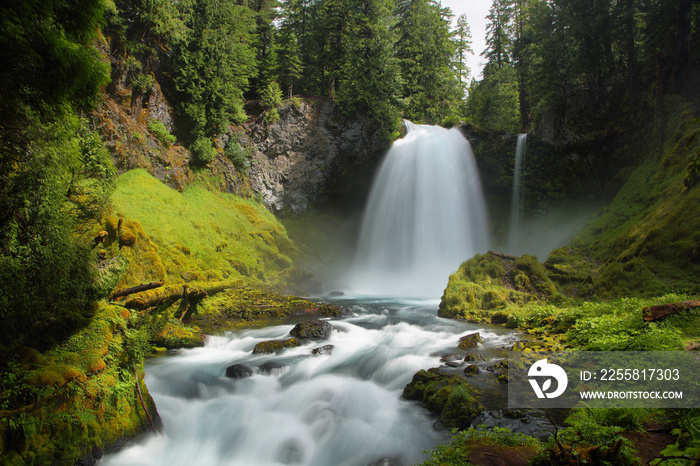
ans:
x=326 y=349
x=272 y=346
x=238 y=371
x=268 y=367
x=312 y=330
x=451 y=357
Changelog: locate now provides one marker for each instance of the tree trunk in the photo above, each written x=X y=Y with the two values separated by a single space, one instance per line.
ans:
x=661 y=311
x=136 y=289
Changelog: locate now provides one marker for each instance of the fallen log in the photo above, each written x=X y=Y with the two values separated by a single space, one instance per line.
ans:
x=503 y=255
x=661 y=311
x=136 y=289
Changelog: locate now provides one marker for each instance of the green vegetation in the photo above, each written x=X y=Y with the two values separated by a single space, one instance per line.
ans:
x=161 y=132
x=204 y=236
x=81 y=393
x=499 y=442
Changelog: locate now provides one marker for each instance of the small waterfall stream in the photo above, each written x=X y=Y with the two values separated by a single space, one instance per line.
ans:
x=425 y=215
x=516 y=212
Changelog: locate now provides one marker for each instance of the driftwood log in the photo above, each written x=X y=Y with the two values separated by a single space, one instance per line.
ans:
x=137 y=289
x=503 y=255
x=661 y=311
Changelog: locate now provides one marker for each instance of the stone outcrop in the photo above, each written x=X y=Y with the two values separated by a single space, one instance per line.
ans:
x=303 y=158
x=312 y=330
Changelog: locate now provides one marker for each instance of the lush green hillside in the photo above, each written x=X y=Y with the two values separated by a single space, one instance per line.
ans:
x=203 y=235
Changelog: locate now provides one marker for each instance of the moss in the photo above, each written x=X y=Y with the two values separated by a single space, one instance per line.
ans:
x=176 y=335
x=448 y=396
x=201 y=234
x=77 y=396
x=487 y=283
x=274 y=346
x=246 y=306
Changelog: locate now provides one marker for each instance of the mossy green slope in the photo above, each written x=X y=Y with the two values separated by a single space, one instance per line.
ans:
x=648 y=238
x=206 y=236
x=57 y=406
x=645 y=243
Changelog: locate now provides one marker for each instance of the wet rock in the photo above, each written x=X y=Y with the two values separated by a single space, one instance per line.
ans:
x=272 y=346
x=470 y=341
x=454 y=363
x=268 y=367
x=321 y=350
x=471 y=370
x=238 y=371
x=451 y=357
x=312 y=330
x=448 y=396
x=473 y=357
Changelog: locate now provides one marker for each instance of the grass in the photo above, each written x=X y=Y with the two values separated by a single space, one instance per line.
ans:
x=203 y=235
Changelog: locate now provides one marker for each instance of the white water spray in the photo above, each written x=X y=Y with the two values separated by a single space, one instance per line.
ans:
x=516 y=213
x=425 y=215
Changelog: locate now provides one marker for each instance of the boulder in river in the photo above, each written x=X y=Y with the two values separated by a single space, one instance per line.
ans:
x=272 y=346
x=471 y=370
x=447 y=395
x=325 y=349
x=470 y=341
x=312 y=330
x=238 y=371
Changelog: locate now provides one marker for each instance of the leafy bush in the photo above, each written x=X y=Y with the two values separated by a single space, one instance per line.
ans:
x=238 y=155
x=158 y=129
x=203 y=152
x=272 y=99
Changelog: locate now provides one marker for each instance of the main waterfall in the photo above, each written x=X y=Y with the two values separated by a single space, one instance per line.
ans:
x=425 y=215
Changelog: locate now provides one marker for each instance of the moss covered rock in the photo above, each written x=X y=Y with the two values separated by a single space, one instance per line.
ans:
x=273 y=346
x=448 y=396
x=491 y=282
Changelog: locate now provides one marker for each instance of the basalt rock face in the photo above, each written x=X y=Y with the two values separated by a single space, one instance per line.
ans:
x=312 y=156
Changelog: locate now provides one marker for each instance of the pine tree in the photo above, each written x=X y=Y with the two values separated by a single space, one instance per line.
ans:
x=463 y=40
x=426 y=53
x=370 y=76
x=214 y=66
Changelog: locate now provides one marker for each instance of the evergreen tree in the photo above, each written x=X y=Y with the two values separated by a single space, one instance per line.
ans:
x=426 y=52
x=214 y=66
x=265 y=41
x=289 y=64
x=370 y=74
x=499 y=34
x=463 y=40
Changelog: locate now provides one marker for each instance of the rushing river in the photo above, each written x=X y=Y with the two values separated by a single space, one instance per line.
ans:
x=298 y=408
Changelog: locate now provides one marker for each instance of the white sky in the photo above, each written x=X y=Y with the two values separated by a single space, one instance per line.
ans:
x=476 y=11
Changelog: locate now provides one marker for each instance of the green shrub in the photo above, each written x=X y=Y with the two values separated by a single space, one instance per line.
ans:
x=238 y=155
x=158 y=129
x=203 y=152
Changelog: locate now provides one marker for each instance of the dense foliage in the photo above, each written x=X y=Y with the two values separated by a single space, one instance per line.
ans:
x=55 y=175
x=577 y=66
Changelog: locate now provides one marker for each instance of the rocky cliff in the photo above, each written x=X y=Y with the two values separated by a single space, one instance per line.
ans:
x=314 y=155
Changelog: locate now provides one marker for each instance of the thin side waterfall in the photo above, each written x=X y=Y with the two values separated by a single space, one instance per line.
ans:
x=425 y=215
x=516 y=213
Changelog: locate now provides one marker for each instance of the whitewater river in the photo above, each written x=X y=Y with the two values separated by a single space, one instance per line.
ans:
x=298 y=408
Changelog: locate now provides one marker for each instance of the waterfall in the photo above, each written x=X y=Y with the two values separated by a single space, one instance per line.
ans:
x=425 y=215
x=516 y=213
